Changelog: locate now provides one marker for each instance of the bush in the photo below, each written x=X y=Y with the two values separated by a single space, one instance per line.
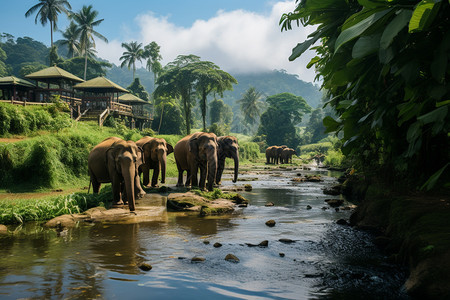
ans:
x=219 y=129
x=23 y=120
x=315 y=148
x=248 y=151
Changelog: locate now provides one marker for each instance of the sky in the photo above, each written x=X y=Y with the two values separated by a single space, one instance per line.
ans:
x=240 y=36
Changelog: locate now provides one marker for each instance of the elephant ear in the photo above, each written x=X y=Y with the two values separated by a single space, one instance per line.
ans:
x=193 y=147
x=112 y=155
x=169 y=148
x=142 y=156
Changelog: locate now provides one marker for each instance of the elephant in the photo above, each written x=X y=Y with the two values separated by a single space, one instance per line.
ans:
x=286 y=155
x=273 y=154
x=228 y=147
x=117 y=161
x=155 y=157
x=193 y=151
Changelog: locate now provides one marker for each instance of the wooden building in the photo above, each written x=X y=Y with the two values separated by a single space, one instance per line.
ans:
x=16 y=89
x=141 y=116
x=101 y=98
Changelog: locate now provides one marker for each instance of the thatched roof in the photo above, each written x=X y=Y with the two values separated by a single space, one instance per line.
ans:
x=13 y=80
x=53 y=73
x=131 y=99
x=100 y=85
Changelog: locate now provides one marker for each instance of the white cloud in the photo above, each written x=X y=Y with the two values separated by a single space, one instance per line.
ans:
x=238 y=41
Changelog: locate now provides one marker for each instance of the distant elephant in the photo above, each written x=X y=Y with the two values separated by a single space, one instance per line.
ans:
x=155 y=157
x=286 y=155
x=117 y=161
x=270 y=153
x=273 y=154
x=228 y=147
x=193 y=151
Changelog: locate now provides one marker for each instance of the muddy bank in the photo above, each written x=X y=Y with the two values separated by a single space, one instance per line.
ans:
x=414 y=231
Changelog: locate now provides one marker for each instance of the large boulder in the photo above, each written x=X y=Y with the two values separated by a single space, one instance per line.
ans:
x=191 y=202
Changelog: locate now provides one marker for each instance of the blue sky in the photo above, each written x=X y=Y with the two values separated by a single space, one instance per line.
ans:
x=240 y=36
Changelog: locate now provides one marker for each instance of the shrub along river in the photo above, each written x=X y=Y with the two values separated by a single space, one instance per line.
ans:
x=308 y=255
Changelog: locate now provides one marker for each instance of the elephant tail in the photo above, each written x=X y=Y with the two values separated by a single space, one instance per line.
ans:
x=90 y=182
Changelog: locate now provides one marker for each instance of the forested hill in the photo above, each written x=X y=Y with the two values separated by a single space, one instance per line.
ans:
x=272 y=83
x=269 y=83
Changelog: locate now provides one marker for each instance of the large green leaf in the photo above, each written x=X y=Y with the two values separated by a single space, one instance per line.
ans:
x=330 y=124
x=366 y=45
x=431 y=182
x=424 y=15
x=358 y=29
x=302 y=47
x=394 y=27
x=434 y=116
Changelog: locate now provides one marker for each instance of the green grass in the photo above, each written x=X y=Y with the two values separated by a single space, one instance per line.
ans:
x=23 y=210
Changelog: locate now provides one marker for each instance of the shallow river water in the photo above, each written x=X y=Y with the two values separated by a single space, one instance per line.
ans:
x=100 y=261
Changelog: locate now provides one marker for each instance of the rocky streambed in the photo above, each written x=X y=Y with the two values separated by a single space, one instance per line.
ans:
x=285 y=243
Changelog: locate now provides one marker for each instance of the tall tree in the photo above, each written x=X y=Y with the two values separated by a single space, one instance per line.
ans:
x=210 y=78
x=71 y=39
x=85 y=19
x=153 y=56
x=385 y=67
x=178 y=80
x=47 y=11
x=278 y=122
x=133 y=52
x=251 y=105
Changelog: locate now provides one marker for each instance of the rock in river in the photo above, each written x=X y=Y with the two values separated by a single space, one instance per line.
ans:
x=271 y=223
x=231 y=258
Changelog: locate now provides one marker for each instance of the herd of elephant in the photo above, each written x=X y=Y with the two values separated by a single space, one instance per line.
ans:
x=279 y=154
x=121 y=163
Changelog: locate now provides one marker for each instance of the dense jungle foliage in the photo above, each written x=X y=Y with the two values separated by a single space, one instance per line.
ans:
x=385 y=67
x=56 y=150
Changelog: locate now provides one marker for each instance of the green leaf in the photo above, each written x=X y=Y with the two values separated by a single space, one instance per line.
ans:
x=312 y=61
x=371 y=4
x=302 y=47
x=330 y=124
x=359 y=28
x=423 y=15
x=434 y=116
x=366 y=45
x=442 y=103
x=431 y=182
x=394 y=27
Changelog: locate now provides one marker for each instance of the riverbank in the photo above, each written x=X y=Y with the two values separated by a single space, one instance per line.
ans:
x=413 y=229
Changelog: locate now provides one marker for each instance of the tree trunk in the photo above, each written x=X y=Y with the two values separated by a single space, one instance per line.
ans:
x=85 y=63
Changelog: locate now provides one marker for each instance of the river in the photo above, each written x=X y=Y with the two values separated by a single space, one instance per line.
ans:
x=318 y=259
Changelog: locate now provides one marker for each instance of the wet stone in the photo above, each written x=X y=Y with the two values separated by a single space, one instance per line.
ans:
x=217 y=245
x=334 y=202
x=198 y=259
x=308 y=207
x=341 y=222
x=145 y=267
x=231 y=258
x=3 y=229
x=206 y=242
x=248 y=187
x=271 y=223
x=281 y=254
x=269 y=204
x=286 y=241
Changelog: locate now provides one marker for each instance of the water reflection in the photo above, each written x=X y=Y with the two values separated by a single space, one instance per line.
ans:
x=324 y=261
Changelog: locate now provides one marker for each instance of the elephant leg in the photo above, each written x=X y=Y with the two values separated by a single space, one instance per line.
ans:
x=116 y=189
x=95 y=186
x=180 y=176
x=138 y=190
x=188 y=178
x=203 y=171
x=155 y=177
x=194 y=170
x=146 y=177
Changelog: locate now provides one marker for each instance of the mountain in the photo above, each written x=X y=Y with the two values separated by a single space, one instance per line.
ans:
x=269 y=83
x=272 y=83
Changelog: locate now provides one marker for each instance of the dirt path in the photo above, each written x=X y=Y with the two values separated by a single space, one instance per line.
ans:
x=12 y=140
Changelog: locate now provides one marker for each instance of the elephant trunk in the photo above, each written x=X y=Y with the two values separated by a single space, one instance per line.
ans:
x=128 y=173
x=162 y=158
x=212 y=168
x=235 y=157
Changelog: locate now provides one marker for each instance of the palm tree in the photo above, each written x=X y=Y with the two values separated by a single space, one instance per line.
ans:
x=85 y=19
x=71 y=39
x=132 y=54
x=47 y=11
x=251 y=105
x=151 y=53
